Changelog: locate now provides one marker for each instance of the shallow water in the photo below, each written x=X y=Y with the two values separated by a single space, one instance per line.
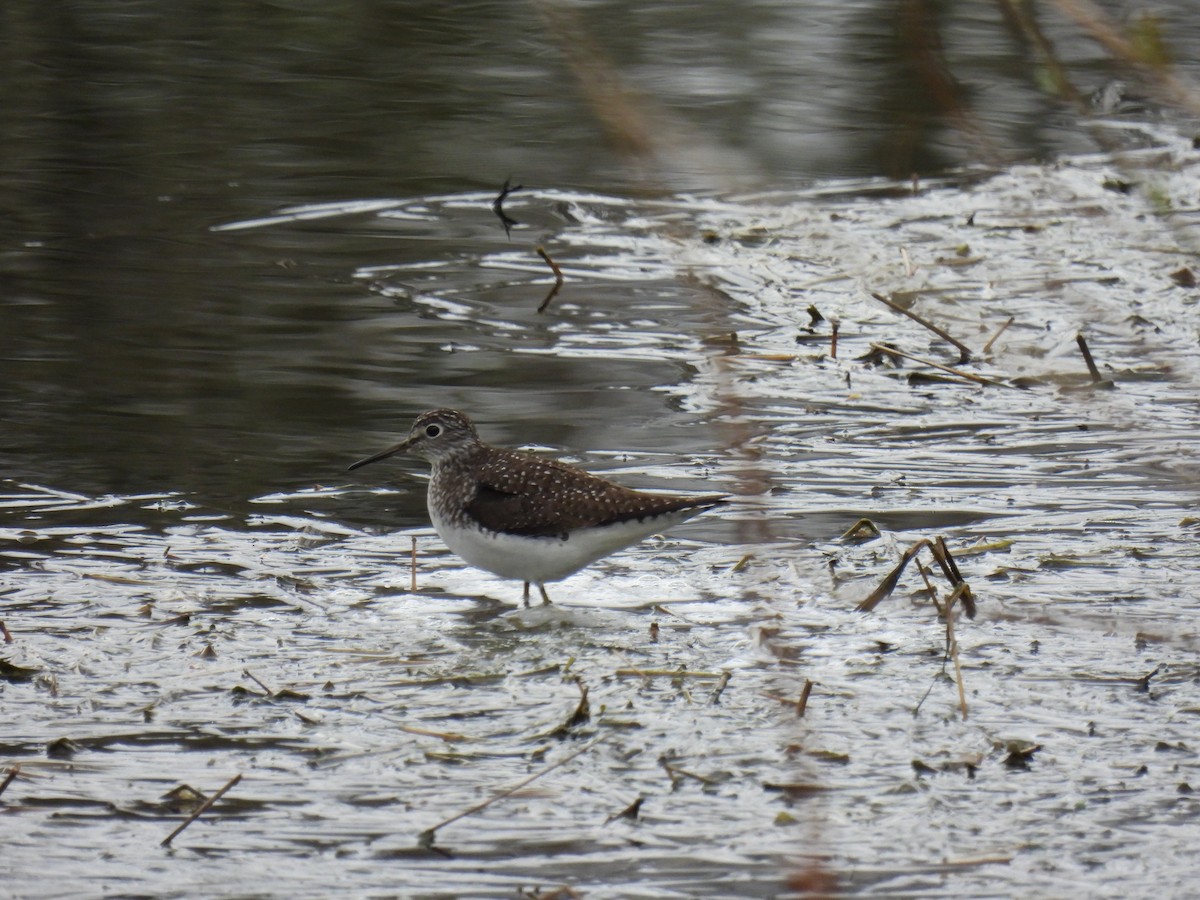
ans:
x=195 y=588
x=173 y=642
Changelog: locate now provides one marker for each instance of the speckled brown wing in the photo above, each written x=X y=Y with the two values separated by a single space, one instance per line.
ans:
x=522 y=494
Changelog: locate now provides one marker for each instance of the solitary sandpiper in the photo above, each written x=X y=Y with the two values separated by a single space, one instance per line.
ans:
x=526 y=517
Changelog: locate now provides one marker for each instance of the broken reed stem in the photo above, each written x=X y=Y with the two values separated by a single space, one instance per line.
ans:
x=925 y=577
x=963 y=350
x=893 y=577
x=256 y=680
x=970 y=376
x=672 y=771
x=665 y=673
x=1087 y=358
x=947 y=561
x=450 y=737
x=427 y=836
x=962 y=590
x=629 y=812
x=558 y=279
x=581 y=715
x=941 y=554
x=952 y=649
x=413 y=565
x=834 y=325
x=8 y=779
x=720 y=688
x=204 y=807
x=498 y=207
x=987 y=348
x=802 y=703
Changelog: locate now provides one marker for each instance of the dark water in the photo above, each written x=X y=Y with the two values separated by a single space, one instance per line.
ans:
x=242 y=247
x=143 y=351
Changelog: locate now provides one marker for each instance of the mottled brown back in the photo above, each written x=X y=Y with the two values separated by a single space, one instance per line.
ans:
x=523 y=494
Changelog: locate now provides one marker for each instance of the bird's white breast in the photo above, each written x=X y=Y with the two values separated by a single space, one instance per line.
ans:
x=544 y=559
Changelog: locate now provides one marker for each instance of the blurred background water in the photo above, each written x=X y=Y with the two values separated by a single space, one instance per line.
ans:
x=141 y=350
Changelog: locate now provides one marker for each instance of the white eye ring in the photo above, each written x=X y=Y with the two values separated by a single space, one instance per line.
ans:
x=432 y=430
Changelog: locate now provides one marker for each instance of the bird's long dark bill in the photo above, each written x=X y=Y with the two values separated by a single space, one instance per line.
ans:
x=382 y=454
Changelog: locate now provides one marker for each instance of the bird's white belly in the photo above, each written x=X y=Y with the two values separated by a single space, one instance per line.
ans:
x=540 y=559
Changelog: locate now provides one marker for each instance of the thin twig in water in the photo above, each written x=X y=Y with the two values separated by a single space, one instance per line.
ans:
x=558 y=279
x=970 y=376
x=426 y=838
x=964 y=352
x=8 y=779
x=946 y=611
x=450 y=737
x=834 y=325
x=802 y=703
x=720 y=688
x=1087 y=358
x=1003 y=328
x=672 y=771
x=204 y=807
x=629 y=812
x=498 y=207
x=413 y=565
x=581 y=715
x=255 y=679
x=952 y=651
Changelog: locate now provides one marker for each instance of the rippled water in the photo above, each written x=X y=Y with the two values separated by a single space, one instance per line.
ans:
x=159 y=640
x=242 y=250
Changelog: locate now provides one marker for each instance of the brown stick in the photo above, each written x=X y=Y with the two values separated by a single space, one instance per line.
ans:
x=1087 y=358
x=833 y=336
x=970 y=376
x=963 y=350
x=720 y=688
x=558 y=279
x=413 y=566
x=802 y=703
x=1003 y=328
x=962 y=590
x=256 y=680
x=8 y=779
x=889 y=583
x=427 y=836
x=952 y=647
x=204 y=807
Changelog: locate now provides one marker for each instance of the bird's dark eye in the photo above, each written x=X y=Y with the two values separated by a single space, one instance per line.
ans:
x=433 y=430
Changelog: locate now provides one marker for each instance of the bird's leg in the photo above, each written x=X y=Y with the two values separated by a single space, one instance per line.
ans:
x=527 y=593
x=545 y=596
